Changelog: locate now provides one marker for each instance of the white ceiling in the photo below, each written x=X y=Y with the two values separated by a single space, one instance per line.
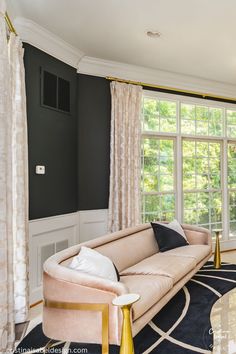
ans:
x=198 y=36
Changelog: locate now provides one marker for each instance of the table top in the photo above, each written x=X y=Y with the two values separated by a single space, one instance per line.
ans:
x=126 y=299
x=217 y=230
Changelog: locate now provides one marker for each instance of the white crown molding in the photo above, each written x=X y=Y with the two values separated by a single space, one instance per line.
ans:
x=103 y=68
x=32 y=33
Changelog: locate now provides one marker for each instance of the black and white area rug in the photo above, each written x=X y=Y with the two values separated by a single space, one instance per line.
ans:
x=181 y=327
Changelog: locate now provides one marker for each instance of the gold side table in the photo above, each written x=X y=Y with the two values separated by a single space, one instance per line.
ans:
x=125 y=302
x=217 y=256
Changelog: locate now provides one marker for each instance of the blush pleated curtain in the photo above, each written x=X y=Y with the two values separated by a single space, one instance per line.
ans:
x=124 y=197
x=13 y=187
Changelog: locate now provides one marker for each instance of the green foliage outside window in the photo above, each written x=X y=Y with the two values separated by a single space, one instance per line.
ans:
x=201 y=157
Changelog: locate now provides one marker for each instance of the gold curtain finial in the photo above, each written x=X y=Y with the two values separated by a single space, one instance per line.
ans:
x=9 y=24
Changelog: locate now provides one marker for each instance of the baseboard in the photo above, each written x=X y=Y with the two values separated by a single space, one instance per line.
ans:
x=226 y=245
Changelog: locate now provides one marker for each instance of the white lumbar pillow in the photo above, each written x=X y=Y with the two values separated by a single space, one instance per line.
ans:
x=175 y=225
x=94 y=263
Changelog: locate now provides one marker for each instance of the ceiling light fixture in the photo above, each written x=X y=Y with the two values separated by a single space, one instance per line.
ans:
x=153 y=34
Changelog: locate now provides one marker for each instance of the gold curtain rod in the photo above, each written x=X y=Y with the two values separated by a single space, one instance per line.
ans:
x=9 y=24
x=173 y=89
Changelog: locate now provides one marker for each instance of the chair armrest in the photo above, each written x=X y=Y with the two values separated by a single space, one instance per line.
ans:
x=197 y=235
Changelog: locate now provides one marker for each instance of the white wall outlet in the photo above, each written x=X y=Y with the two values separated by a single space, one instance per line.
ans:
x=40 y=170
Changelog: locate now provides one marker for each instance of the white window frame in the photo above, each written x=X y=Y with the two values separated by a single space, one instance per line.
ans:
x=178 y=138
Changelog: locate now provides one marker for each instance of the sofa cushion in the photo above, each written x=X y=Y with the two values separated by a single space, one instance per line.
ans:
x=198 y=252
x=175 y=267
x=151 y=289
x=167 y=237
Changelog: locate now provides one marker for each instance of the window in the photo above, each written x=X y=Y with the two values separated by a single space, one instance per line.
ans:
x=202 y=183
x=158 y=179
x=188 y=160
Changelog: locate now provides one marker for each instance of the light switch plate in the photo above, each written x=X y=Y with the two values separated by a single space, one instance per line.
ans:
x=40 y=170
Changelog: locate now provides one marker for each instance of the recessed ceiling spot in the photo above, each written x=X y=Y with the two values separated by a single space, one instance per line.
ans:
x=153 y=34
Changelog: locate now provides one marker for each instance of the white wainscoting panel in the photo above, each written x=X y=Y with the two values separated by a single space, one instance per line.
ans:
x=48 y=236
x=53 y=234
x=92 y=224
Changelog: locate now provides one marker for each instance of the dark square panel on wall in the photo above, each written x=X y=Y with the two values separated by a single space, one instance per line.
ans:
x=55 y=91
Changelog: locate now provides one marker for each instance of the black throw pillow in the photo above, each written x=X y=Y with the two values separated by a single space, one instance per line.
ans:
x=166 y=238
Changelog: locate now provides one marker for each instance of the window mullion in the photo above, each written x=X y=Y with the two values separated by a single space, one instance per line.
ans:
x=224 y=184
x=178 y=168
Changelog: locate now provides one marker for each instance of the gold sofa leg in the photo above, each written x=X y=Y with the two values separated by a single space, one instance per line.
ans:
x=103 y=308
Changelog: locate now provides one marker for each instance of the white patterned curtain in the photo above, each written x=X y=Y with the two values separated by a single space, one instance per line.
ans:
x=19 y=177
x=13 y=188
x=124 y=198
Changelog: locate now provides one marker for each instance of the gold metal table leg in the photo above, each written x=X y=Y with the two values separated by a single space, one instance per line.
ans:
x=125 y=303
x=217 y=256
x=126 y=345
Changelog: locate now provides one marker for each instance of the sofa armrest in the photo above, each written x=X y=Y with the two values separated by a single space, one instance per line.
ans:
x=63 y=273
x=197 y=235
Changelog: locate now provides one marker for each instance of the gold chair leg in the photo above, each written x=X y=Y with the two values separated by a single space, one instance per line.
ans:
x=105 y=330
x=103 y=308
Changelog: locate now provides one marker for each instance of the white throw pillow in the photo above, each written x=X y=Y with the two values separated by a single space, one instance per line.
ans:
x=175 y=225
x=94 y=263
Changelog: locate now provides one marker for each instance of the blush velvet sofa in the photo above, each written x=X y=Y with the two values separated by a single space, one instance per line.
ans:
x=156 y=276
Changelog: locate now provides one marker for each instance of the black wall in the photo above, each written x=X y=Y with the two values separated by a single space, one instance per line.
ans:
x=75 y=148
x=94 y=115
x=52 y=139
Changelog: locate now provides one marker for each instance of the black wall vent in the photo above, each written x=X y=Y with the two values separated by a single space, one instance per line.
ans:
x=55 y=92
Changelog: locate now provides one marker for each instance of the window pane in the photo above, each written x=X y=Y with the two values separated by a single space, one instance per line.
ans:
x=202 y=175
x=159 y=115
x=150 y=114
x=215 y=121
x=231 y=123
x=232 y=188
x=187 y=111
x=201 y=120
x=157 y=179
x=232 y=166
